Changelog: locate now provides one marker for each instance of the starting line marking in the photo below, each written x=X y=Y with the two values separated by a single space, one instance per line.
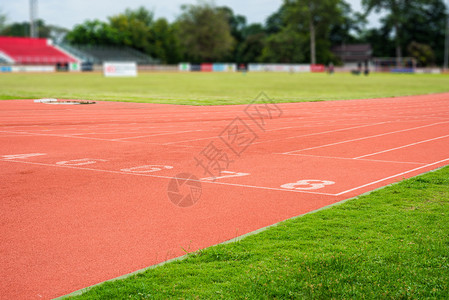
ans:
x=165 y=177
x=232 y=184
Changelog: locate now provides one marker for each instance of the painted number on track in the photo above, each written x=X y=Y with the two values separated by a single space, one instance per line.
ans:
x=307 y=185
x=147 y=169
x=229 y=174
x=80 y=162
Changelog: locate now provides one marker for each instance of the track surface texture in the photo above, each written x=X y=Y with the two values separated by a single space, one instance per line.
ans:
x=87 y=193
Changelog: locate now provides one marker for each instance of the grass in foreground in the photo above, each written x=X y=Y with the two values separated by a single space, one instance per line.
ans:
x=216 y=88
x=392 y=243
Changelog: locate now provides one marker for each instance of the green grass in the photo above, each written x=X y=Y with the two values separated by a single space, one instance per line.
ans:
x=216 y=88
x=392 y=243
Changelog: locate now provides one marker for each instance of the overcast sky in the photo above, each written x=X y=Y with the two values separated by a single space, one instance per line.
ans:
x=67 y=13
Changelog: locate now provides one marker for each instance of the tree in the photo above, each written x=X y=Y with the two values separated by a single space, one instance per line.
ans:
x=3 y=19
x=93 y=33
x=314 y=17
x=133 y=28
x=284 y=47
x=276 y=21
x=424 y=23
x=237 y=25
x=164 y=42
x=23 y=29
x=349 y=27
x=204 y=33
x=423 y=54
x=380 y=41
x=396 y=8
x=250 y=49
x=410 y=20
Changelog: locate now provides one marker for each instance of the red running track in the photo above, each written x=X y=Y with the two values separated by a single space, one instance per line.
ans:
x=84 y=187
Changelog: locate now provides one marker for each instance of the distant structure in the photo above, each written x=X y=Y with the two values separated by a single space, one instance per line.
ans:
x=33 y=18
x=353 y=53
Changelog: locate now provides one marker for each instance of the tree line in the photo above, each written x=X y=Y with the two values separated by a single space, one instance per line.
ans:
x=300 y=31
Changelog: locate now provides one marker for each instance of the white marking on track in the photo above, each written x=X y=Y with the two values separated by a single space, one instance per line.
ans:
x=366 y=137
x=392 y=176
x=59 y=135
x=348 y=158
x=323 y=132
x=167 y=177
x=230 y=175
x=158 y=134
x=81 y=162
x=22 y=156
x=147 y=169
x=405 y=146
x=307 y=184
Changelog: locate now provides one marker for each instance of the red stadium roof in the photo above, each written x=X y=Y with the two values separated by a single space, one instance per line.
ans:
x=33 y=51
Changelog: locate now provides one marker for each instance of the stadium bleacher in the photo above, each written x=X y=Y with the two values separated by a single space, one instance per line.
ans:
x=28 y=51
x=101 y=54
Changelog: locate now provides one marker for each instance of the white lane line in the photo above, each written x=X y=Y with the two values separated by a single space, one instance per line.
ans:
x=274 y=140
x=116 y=133
x=28 y=134
x=323 y=132
x=367 y=137
x=348 y=158
x=401 y=147
x=165 y=177
x=216 y=137
x=393 y=176
x=59 y=135
x=142 y=136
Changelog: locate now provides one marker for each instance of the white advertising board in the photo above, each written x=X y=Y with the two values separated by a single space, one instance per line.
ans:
x=296 y=68
x=120 y=69
x=37 y=69
x=184 y=67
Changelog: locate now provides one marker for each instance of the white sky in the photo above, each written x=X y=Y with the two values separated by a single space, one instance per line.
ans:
x=67 y=13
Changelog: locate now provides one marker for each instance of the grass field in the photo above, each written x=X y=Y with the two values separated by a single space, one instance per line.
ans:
x=392 y=243
x=217 y=89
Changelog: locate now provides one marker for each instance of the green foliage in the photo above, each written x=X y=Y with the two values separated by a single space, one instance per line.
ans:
x=313 y=20
x=296 y=32
x=205 y=33
x=93 y=33
x=3 y=19
x=250 y=49
x=285 y=46
x=133 y=28
x=349 y=23
x=164 y=42
x=421 y=21
x=423 y=53
x=23 y=29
